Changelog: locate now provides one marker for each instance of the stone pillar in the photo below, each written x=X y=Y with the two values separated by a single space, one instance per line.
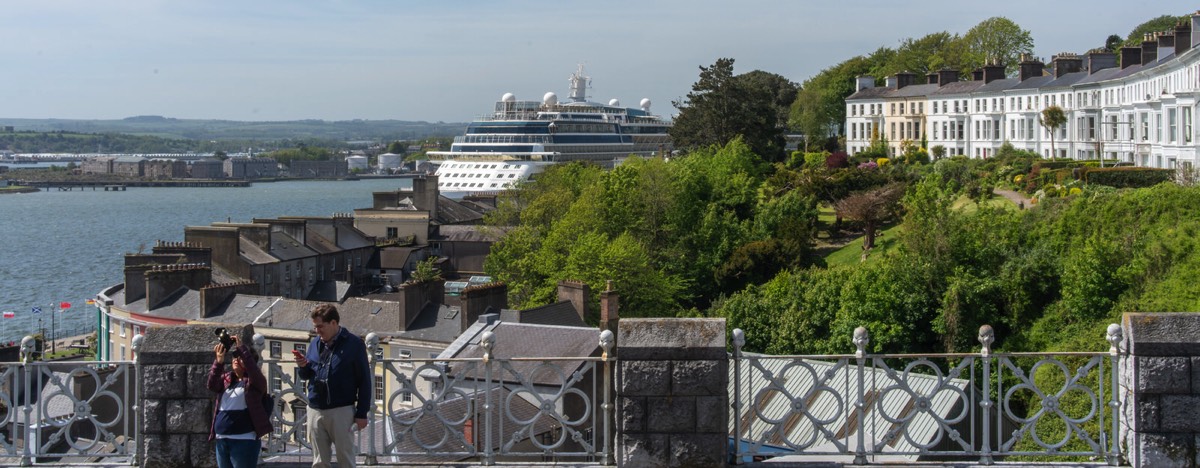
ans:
x=1160 y=389
x=672 y=400
x=177 y=407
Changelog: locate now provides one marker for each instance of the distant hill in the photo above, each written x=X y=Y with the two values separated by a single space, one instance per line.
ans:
x=219 y=130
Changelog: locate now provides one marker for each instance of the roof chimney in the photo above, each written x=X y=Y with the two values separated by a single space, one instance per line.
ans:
x=1030 y=67
x=575 y=292
x=1130 y=56
x=977 y=74
x=931 y=78
x=1195 y=29
x=1149 y=49
x=947 y=76
x=993 y=71
x=904 y=79
x=1183 y=37
x=863 y=82
x=1098 y=60
x=609 y=316
x=1166 y=43
x=1065 y=63
x=891 y=82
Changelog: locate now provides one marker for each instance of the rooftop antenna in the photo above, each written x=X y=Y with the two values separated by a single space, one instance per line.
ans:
x=579 y=85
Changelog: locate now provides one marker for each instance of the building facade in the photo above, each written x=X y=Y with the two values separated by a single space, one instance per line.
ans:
x=1140 y=109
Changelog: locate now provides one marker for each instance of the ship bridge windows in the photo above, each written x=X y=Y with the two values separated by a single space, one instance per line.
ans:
x=584 y=128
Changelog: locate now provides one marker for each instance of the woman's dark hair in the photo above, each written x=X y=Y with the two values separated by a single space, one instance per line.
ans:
x=326 y=312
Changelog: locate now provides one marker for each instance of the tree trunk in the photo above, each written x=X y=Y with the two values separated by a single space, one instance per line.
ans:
x=869 y=239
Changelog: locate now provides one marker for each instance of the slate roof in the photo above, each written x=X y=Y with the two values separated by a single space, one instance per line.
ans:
x=560 y=313
x=957 y=87
x=1033 y=82
x=253 y=254
x=450 y=211
x=870 y=93
x=467 y=233
x=998 y=85
x=533 y=341
x=286 y=247
x=1065 y=80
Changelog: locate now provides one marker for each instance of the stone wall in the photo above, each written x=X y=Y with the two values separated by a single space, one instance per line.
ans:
x=672 y=400
x=177 y=407
x=1160 y=389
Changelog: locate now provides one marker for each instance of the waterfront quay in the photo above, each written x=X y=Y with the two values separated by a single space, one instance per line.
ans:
x=71 y=185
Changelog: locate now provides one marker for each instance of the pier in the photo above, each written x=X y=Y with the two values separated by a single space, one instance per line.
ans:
x=67 y=186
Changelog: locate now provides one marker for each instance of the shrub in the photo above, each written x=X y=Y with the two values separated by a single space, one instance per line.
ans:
x=882 y=162
x=1126 y=177
x=837 y=160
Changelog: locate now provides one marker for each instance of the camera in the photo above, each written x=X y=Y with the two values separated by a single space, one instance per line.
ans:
x=227 y=342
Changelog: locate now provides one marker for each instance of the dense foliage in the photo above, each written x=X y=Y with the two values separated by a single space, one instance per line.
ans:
x=722 y=106
x=670 y=235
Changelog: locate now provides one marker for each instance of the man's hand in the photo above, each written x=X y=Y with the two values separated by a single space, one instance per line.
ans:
x=219 y=351
x=361 y=423
x=299 y=357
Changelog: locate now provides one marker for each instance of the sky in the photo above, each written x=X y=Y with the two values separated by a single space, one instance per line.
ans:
x=447 y=60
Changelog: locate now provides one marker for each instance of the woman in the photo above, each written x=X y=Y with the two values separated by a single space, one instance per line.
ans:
x=239 y=418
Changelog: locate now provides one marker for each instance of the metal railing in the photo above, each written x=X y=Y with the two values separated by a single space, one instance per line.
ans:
x=68 y=413
x=483 y=409
x=918 y=407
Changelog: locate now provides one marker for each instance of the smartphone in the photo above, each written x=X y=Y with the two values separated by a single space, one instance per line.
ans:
x=297 y=353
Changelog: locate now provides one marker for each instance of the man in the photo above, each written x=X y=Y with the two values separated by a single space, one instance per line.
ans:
x=339 y=387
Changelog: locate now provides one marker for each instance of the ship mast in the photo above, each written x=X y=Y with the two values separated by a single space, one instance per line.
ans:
x=579 y=85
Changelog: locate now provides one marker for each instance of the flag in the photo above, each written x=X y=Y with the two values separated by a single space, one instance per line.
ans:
x=37 y=310
x=9 y=314
x=64 y=305
x=91 y=302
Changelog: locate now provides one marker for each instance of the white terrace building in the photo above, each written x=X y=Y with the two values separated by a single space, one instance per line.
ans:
x=1139 y=110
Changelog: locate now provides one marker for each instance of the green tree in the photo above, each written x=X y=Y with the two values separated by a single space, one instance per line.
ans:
x=398 y=147
x=820 y=107
x=1052 y=118
x=722 y=106
x=996 y=38
x=872 y=208
x=1161 y=23
x=426 y=271
x=1112 y=43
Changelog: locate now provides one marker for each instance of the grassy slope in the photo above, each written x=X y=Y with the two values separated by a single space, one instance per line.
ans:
x=851 y=253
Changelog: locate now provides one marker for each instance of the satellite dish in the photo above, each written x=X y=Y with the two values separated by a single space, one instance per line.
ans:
x=508 y=97
x=646 y=104
x=550 y=99
x=614 y=103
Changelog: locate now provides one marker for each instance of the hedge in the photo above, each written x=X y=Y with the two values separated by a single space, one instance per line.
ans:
x=1126 y=177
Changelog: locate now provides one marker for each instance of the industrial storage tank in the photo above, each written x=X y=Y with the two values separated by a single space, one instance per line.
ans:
x=390 y=161
x=356 y=163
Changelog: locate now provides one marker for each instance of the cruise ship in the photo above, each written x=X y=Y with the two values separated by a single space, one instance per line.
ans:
x=520 y=138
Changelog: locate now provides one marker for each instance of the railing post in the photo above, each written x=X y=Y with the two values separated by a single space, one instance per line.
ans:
x=607 y=340
x=739 y=340
x=372 y=343
x=986 y=337
x=136 y=407
x=861 y=338
x=1114 y=336
x=487 y=341
x=28 y=343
